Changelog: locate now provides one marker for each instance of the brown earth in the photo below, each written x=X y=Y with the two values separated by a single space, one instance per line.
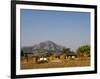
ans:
x=77 y=62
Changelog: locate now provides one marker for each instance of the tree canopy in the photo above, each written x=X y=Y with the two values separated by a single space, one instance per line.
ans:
x=83 y=50
x=65 y=50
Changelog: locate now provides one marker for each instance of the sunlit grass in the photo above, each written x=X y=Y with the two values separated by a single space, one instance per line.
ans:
x=77 y=62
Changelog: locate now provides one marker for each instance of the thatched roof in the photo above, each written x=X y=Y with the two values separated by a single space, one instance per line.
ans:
x=71 y=54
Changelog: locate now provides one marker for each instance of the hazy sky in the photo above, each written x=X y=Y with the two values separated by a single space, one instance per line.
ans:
x=70 y=29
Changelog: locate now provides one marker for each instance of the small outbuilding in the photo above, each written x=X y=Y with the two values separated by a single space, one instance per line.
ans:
x=70 y=55
x=41 y=58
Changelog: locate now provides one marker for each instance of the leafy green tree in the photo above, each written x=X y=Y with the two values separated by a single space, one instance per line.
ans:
x=65 y=51
x=83 y=50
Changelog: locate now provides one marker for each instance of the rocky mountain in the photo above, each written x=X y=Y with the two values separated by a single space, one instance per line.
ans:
x=44 y=47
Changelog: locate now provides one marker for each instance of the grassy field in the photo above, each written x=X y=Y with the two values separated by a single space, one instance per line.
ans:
x=77 y=62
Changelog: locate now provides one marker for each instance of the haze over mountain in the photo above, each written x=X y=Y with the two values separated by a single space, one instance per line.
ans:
x=46 y=46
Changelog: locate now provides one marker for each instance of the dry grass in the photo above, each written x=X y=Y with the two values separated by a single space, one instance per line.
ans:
x=77 y=62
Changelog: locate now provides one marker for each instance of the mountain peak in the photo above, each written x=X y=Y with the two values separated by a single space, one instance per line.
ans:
x=46 y=46
x=48 y=41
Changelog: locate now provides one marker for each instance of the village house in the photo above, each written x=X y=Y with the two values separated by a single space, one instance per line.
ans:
x=41 y=59
x=70 y=55
x=57 y=55
x=40 y=56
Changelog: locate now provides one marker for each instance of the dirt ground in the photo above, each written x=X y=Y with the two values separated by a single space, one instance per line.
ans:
x=77 y=62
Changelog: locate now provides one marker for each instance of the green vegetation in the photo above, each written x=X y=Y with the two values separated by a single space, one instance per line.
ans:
x=83 y=50
x=67 y=58
x=65 y=50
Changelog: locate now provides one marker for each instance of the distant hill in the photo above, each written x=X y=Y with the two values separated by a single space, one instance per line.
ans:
x=44 y=47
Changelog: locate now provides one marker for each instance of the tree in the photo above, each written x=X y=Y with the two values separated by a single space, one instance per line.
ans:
x=83 y=50
x=65 y=51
